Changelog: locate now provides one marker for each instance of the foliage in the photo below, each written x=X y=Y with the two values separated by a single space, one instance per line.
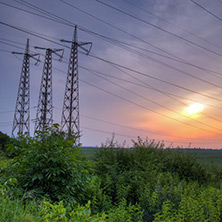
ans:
x=120 y=213
x=16 y=210
x=48 y=164
x=147 y=174
x=143 y=183
x=196 y=205
x=4 y=140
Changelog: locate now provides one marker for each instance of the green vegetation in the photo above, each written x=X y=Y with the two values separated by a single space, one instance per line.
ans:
x=46 y=178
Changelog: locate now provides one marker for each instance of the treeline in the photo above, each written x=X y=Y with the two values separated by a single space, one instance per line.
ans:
x=45 y=178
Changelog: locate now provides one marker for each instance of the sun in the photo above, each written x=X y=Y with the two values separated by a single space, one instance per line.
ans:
x=194 y=108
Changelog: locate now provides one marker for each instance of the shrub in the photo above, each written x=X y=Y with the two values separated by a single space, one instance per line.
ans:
x=120 y=213
x=17 y=210
x=197 y=204
x=48 y=164
x=4 y=140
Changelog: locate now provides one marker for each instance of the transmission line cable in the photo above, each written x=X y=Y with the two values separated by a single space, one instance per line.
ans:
x=147 y=86
x=106 y=61
x=173 y=24
x=159 y=28
x=90 y=32
x=144 y=107
x=152 y=77
x=170 y=95
x=46 y=39
x=156 y=103
x=128 y=127
x=207 y=10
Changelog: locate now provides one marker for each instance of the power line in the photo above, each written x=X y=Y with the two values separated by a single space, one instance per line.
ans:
x=90 y=54
x=208 y=116
x=147 y=86
x=173 y=24
x=159 y=28
x=10 y=111
x=123 y=135
x=219 y=1
x=155 y=60
x=132 y=128
x=141 y=106
x=156 y=103
x=32 y=33
x=207 y=10
x=2 y=50
x=118 y=134
x=160 y=62
x=127 y=127
x=152 y=77
x=119 y=29
x=98 y=35
x=97 y=73
x=5 y=43
x=101 y=59
x=120 y=44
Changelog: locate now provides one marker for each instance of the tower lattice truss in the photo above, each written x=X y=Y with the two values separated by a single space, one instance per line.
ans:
x=70 y=113
x=21 y=122
x=44 y=116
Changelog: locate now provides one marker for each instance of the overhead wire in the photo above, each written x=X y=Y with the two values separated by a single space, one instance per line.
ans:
x=181 y=121
x=207 y=10
x=147 y=86
x=127 y=74
x=152 y=77
x=190 y=140
x=170 y=23
x=170 y=95
x=107 y=38
x=156 y=103
x=109 y=62
x=159 y=28
x=144 y=107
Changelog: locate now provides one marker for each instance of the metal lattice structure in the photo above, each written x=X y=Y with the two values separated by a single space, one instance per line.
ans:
x=44 y=116
x=70 y=121
x=21 y=122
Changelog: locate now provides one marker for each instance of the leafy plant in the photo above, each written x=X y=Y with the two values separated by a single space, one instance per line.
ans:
x=4 y=140
x=50 y=165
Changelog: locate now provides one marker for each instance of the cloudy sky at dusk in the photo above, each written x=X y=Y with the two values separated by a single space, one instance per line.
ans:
x=154 y=69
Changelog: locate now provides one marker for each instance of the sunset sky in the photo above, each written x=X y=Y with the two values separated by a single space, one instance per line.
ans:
x=154 y=70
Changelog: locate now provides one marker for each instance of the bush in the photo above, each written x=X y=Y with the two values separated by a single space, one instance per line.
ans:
x=120 y=213
x=49 y=165
x=4 y=140
x=197 y=204
x=17 y=210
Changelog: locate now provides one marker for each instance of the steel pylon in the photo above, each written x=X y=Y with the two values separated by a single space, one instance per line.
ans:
x=44 y=115
x=70 y=121
x=21 y=122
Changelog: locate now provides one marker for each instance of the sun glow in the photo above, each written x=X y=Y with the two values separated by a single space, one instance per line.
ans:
x=194 y=108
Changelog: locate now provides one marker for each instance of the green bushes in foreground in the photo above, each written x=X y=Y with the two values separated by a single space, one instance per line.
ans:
x=153 y=178
x=49 y=165
x=48 y=180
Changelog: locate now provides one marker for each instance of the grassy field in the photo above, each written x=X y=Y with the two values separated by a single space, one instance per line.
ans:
x=205 y=156
x=208 y=156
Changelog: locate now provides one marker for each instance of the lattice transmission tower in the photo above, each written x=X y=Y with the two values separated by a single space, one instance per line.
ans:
x=21 y=122
x=44 y=115
x=70 y=122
